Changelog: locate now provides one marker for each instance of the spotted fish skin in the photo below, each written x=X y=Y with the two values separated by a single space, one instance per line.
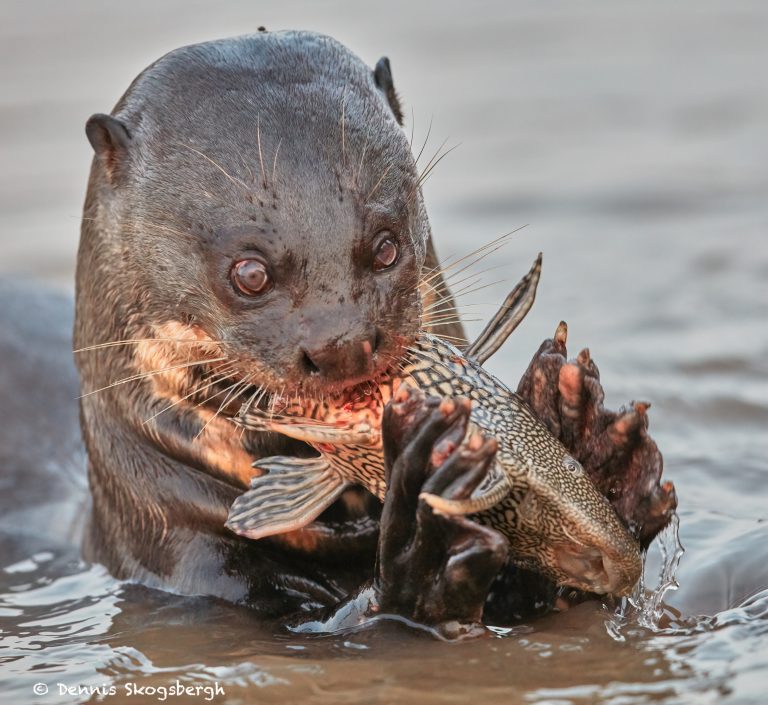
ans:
x=555 y=519
x=537 y=495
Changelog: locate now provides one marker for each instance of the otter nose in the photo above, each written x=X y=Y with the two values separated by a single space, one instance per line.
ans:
x=336 y=361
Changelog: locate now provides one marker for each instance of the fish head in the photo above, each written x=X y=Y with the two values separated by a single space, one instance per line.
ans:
x=572 y=533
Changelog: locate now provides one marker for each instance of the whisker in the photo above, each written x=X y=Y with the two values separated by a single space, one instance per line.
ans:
x=144 y=375
x=431 y=166
x=133 y=341
x=362 y=156
x=453 y=338
x=474 y=275
x=247 y=383
x=225 y=378
x=261 y=154
x=446 y=320
x=232 y=387
x=458 y=308
x=231 y=399
x=428 y=172
x=448 y=298
x=274 y=161
x=426 y=139
x=443 y=317
x=233 y=179
x=251 y=175
x=160 y=227
x=344 y=127
x=432 y=158
x=450 y=307
x=421 y=352
x=466 y=291
x=461 y=291
x=478 y=259
x=378 y=183
x=441 y=306
x=484 y=286
x=197 y=390
x=451 y=260
x=261 y=391
x=480 y=253
x=439 y=291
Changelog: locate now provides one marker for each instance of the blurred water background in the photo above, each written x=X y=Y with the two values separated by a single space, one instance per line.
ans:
x=632 y=139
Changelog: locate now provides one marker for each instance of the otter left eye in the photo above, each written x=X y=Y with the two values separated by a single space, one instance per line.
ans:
x=386 y=255
x=250 y=277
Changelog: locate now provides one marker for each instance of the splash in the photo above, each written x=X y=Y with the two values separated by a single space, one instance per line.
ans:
x=645 y=606
x=651 y=607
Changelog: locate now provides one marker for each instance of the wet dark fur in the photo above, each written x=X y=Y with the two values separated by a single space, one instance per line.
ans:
x=285 y=144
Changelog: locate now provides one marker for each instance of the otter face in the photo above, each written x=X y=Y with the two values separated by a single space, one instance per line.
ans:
x=321 y=297
x=271 y=206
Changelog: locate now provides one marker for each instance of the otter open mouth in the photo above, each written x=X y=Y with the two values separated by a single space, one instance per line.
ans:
x=350 y=396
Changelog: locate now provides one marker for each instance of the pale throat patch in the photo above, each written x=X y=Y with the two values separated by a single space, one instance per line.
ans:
x=176 y=348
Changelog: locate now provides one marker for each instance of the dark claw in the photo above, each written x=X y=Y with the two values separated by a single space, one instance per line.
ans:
x=414 y=427
x=573 y=399
x=418 y=421
x=561 y=337
x=538 y=385
x=460 y=473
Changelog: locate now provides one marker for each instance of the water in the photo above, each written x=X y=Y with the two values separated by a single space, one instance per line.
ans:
x=632 y=139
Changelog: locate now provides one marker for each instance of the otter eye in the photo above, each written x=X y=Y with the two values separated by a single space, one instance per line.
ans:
x=386 y=255
x=250 y=277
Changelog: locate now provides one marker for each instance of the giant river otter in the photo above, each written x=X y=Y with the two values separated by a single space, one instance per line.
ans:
x=254 y=224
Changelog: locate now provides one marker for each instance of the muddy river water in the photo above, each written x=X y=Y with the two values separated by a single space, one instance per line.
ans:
x=632 y=139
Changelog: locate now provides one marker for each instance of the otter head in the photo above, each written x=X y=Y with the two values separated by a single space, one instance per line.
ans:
x=256 y=199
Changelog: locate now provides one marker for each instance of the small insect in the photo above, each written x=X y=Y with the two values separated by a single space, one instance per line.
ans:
x=536 y=493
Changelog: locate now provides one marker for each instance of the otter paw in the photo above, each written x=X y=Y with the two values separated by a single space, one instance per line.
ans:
x=431 y=568
x=615 y=448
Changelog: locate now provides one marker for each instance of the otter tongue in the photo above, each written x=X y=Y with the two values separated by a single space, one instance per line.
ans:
x=291 y=495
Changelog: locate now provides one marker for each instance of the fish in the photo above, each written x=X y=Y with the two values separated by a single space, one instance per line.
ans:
x=536 y=494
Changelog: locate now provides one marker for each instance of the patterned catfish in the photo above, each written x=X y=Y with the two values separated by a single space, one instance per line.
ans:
x=536 y=494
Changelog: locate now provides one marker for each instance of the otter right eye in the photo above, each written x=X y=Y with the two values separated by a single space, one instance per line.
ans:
x=386 y=255
x=250 y=277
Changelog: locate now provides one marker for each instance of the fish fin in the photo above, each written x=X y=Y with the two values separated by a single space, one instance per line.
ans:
x=508 y=317
x=312 y=432
x=255 y=420
x=261 y=420
x=308 y=430
x=291 y=495
x=490 y=492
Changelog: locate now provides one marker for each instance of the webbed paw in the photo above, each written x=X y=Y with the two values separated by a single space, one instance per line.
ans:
x=613 y=446
x=431 y=568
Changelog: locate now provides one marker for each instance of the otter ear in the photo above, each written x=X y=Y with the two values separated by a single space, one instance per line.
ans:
x=382 y=76
x=111 y=141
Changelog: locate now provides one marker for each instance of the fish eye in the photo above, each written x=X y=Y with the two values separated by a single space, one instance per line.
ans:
x=573 y=465
x=250 y=277
x=387 y=252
